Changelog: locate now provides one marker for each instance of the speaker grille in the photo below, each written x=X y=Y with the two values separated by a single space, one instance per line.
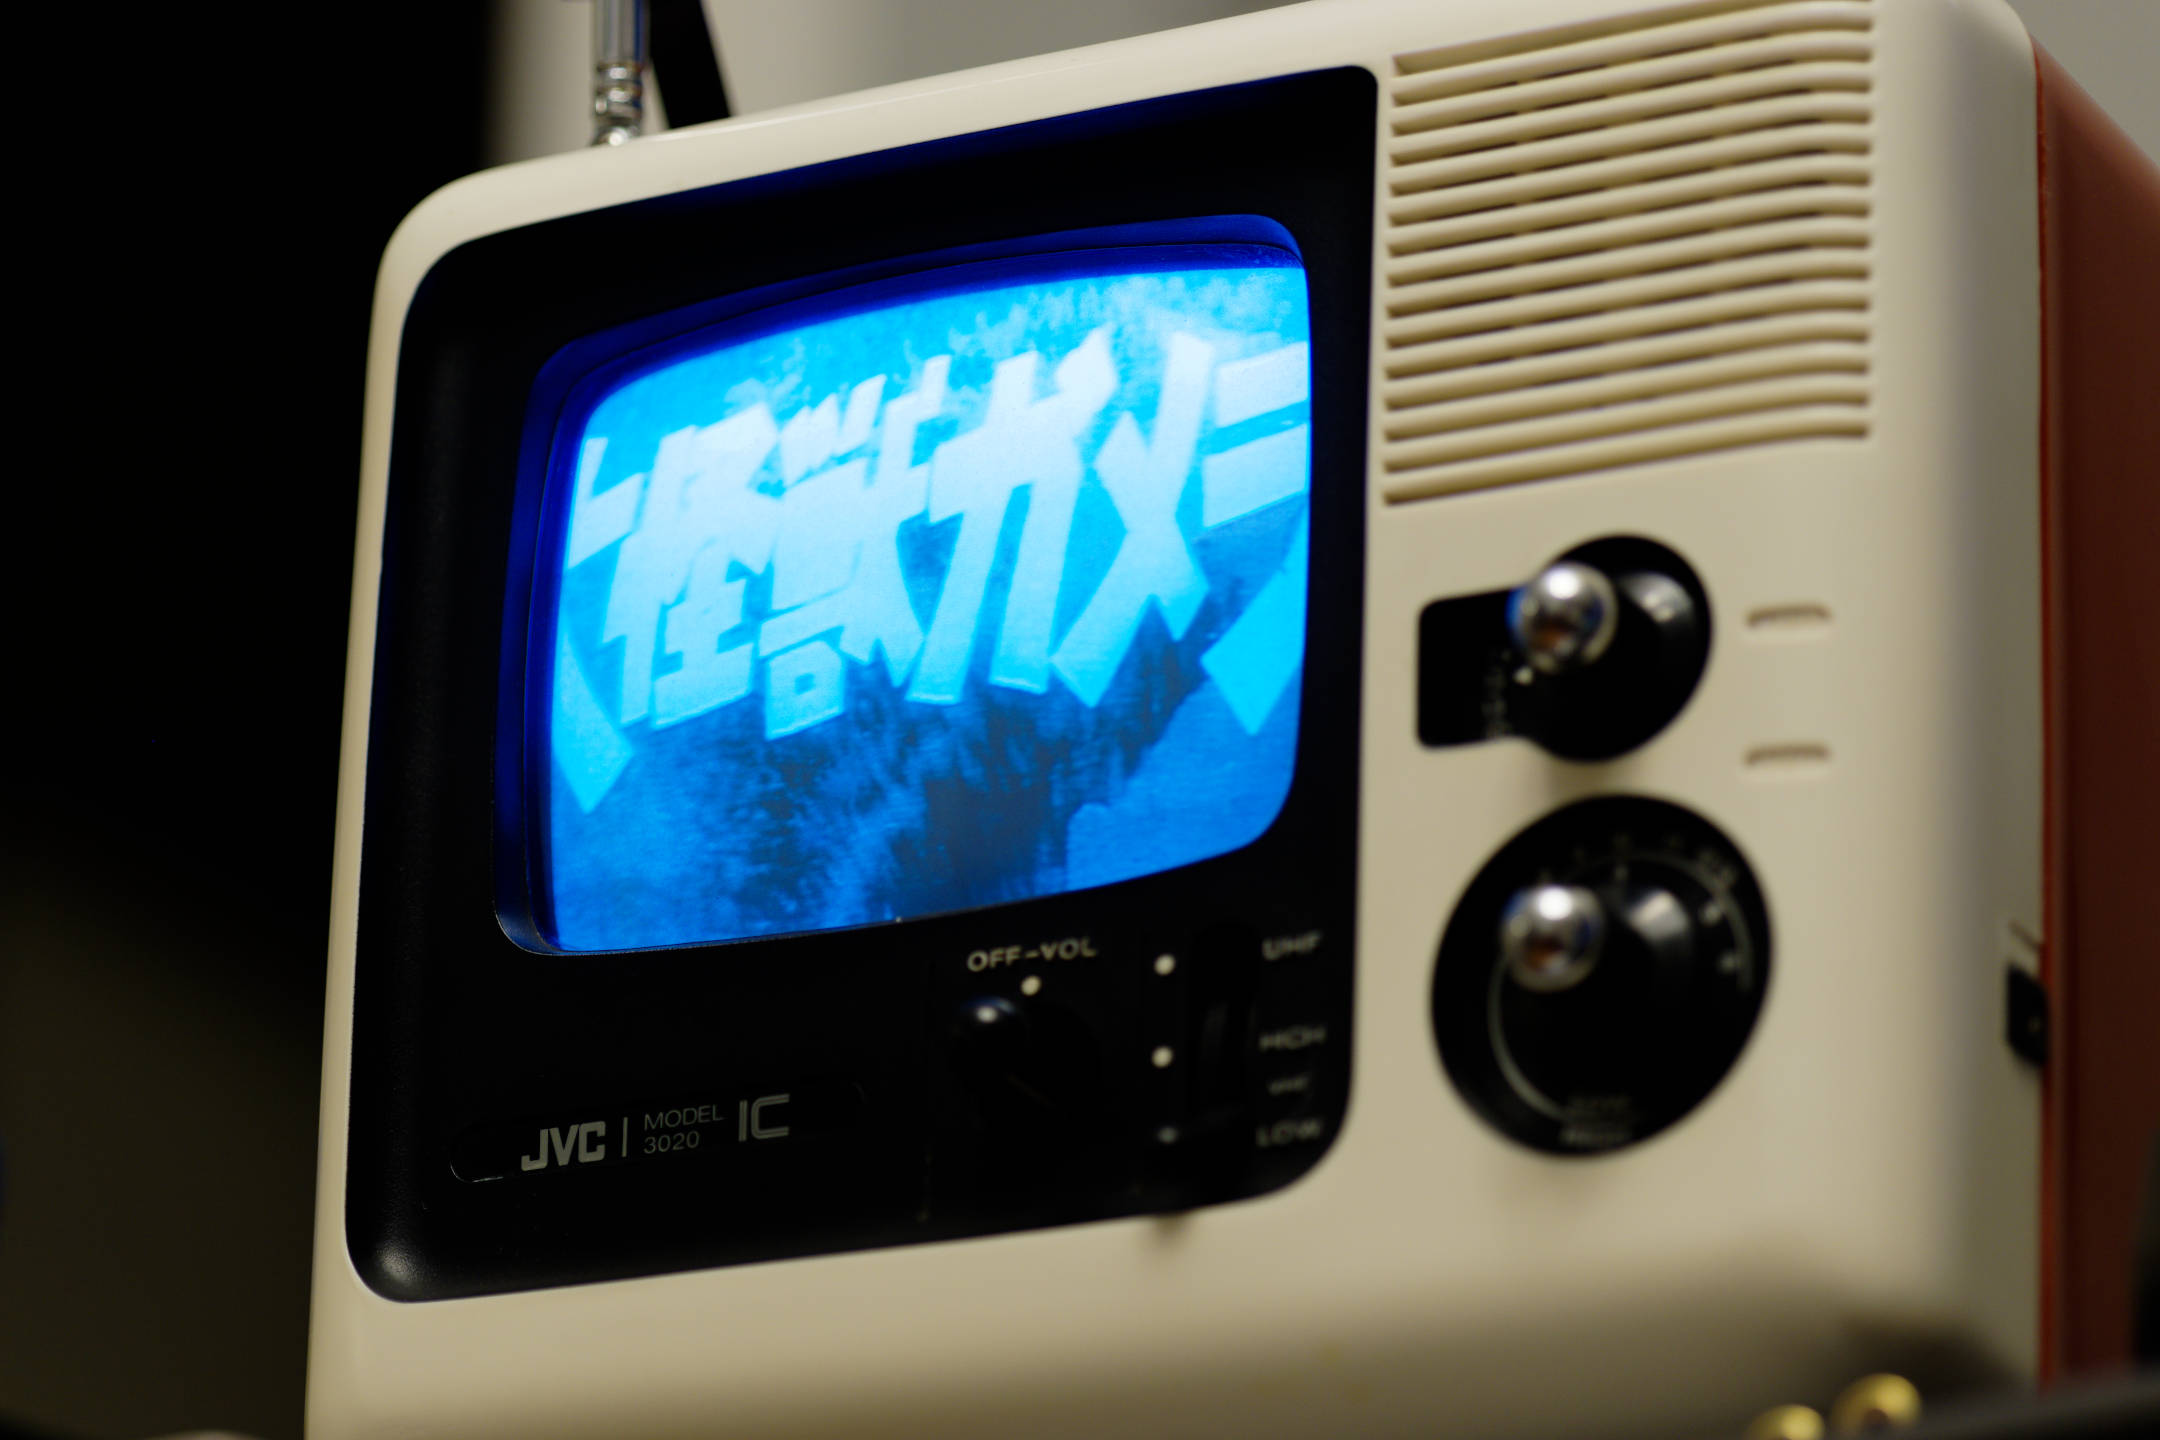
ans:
x=1629 y=240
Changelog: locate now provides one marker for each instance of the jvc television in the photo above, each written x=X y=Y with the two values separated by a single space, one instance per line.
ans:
x=1389 y=718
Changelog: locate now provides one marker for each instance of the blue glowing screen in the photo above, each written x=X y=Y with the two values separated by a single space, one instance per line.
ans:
x=929 y=595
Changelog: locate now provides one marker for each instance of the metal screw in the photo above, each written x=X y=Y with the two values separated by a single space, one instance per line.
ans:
x=1550 y=936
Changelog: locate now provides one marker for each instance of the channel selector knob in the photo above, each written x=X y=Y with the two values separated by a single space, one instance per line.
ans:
x=1601 y=974
x=1612 y=640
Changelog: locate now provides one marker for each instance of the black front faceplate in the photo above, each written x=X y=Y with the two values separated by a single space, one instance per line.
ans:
x=521 y=1119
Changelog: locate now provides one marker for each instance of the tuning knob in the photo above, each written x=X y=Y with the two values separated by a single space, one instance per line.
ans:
x=1613 y=638
x=1554 y=938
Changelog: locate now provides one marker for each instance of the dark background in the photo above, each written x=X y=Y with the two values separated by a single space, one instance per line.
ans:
x=205 y=221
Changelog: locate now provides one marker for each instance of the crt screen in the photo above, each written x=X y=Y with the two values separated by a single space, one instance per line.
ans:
x=968 y=588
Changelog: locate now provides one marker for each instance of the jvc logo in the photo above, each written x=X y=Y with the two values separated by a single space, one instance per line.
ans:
x=567 y=1145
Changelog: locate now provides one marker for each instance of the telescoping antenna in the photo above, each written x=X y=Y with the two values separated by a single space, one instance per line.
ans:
x=634 y=38
x=618 y=103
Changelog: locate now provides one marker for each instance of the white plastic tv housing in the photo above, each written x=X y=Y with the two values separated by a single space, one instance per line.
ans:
x=1767 y=288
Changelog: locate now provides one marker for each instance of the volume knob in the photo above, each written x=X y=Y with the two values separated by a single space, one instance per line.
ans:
x=1026 y=1067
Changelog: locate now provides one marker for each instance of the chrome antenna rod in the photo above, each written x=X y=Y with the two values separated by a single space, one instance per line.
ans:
x=618 y=103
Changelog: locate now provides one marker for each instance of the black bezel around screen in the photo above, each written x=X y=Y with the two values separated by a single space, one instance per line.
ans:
x=463 y=1023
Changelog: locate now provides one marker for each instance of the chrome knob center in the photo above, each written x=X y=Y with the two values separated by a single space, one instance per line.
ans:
x=1565 y=618
x=1550 y=936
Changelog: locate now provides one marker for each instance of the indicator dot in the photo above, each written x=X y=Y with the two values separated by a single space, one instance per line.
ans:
x=1167 y=1135
x=1162 y=1057
x=1164 y=964
x=1032 y=985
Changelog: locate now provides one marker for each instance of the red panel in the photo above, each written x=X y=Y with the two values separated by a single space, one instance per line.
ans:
x=2100 y=485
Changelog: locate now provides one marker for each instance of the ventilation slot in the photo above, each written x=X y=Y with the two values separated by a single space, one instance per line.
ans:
x=1631 y=240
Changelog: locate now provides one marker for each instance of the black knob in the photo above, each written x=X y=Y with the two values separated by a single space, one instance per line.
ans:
x=1611 y=1032
x=1031 y=1067
x=990 y=1039
x=1601 y=974
x=1612 y=639
x=1658 y=925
